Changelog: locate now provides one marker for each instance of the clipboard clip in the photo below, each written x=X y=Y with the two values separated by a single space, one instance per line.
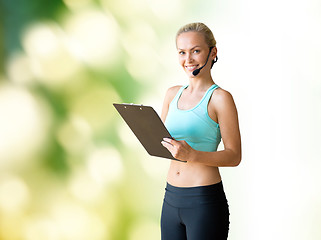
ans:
x=136 y=104
x=133 y=104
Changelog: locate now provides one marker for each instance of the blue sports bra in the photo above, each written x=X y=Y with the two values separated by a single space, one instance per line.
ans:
x=194 y=125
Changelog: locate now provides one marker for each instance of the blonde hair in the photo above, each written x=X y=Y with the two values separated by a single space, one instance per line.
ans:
x=201 y=28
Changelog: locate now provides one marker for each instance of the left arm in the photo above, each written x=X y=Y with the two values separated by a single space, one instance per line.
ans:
x=222 y=104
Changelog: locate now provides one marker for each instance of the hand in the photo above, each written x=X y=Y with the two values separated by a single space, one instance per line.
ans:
x=179 y=149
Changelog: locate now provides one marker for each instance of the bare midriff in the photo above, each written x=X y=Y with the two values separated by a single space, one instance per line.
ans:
x=189 y=174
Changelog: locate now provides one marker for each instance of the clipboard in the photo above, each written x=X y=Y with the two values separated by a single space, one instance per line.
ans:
x=147 y=126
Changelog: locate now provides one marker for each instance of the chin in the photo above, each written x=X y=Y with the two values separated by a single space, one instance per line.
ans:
x=190 y=75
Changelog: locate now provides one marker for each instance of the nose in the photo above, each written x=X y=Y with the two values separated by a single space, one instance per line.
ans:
x=189 y=57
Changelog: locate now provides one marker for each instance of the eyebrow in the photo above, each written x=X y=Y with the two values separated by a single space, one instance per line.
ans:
x=191 y=48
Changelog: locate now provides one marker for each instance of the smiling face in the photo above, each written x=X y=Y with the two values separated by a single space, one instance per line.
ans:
x=193 y=51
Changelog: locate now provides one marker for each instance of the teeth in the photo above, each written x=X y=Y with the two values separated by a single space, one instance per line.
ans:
x=191 y=67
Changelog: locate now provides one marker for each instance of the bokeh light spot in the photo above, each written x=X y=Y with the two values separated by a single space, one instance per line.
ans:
x=138 y=42
x=155 y=167
x=40 y=228
x=145 y=229
x=51 y=60
x=95 y=106
x=83 y=187
x=75 y=222
x=19 y=69
x=76 y=4
x=93 y=37
x=24 y=123
x=75 y=135
x=166 y=9
x=105 y=165
x=14 y=194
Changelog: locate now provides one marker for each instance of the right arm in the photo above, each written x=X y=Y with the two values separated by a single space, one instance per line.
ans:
x=170 y=94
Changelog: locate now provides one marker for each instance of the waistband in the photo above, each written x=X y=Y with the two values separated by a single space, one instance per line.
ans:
x=187 y=197
x=199 y=190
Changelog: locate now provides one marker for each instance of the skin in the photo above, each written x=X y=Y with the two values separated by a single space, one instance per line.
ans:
x=201 y=168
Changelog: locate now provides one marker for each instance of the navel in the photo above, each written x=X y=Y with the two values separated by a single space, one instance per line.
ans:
x=178 y=173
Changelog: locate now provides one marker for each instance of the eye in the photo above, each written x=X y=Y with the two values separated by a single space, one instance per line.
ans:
x=196 y=51
x=181 y=52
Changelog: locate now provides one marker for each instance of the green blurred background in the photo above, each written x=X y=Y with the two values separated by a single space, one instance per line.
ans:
x=70 y=169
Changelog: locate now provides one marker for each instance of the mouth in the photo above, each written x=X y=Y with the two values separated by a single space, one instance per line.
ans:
x=191 y=67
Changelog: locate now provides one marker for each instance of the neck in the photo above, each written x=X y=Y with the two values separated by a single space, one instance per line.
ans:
x=200 y=83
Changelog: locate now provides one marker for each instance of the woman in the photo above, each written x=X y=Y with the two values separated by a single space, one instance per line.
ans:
x=198 y=116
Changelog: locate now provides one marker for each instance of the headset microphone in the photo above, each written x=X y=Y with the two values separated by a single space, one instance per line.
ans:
x=197 y=71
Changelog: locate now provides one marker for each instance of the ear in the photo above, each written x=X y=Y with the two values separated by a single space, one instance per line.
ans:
x=213 y=53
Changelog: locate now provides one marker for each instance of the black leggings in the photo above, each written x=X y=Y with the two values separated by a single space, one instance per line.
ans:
x=195 y=213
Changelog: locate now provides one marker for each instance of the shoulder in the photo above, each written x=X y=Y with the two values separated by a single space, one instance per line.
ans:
x=221 y=94
x=222 y=99
x=173 y=90
x=171 y=93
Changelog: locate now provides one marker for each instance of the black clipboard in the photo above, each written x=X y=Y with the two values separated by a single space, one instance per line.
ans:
x=147 y=127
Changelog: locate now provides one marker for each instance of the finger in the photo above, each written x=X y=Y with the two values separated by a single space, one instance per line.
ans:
x=170 y=141
x=167 y=145
x=167 y=140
